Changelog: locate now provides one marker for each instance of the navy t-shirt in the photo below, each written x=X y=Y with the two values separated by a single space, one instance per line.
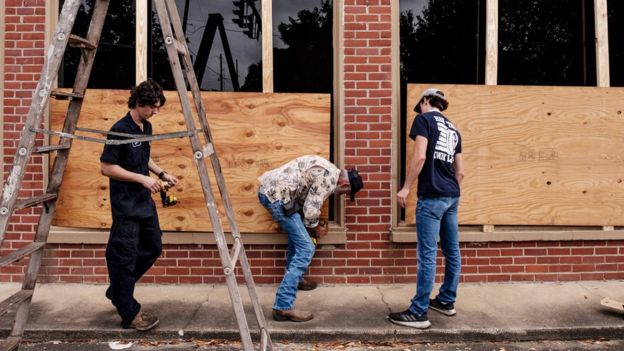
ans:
x=130 y=199
x=437 y=177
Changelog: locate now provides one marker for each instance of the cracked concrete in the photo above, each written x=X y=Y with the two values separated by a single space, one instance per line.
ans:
x=486 y=312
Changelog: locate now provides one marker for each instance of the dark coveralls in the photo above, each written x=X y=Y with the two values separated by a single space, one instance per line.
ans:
x=135 y=238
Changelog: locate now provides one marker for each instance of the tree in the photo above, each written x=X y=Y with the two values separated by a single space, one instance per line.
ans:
x=306 y=64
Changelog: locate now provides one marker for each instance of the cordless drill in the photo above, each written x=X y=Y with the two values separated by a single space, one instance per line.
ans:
x=167 y=200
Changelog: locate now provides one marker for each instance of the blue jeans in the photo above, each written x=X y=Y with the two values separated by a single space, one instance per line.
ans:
x=436 y=216
x=300 y=252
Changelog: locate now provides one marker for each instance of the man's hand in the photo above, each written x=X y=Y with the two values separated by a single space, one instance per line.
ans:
x=321 y=231
x=171 y=179
x=402 y=196
x=151 y=184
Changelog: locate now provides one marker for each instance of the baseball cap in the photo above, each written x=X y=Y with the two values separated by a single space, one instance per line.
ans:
x=428 y=93
x=355 y=181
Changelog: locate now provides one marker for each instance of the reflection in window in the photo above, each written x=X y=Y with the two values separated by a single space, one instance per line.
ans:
x=616 y=42
x=225 y=41
x=302 y=46
x=546 y=42
x=442 y=41
x=114 y=65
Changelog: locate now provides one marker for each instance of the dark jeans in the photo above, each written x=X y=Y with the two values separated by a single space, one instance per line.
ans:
x=133 y=247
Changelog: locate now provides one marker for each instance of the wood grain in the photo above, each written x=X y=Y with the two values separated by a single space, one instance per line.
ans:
x=253 y=132
x=536 y=155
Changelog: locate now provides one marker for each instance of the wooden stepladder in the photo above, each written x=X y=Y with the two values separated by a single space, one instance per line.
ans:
x=182 y=69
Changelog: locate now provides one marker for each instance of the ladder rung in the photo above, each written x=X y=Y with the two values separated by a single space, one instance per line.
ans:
x=33 y=201
x=64 y=95
x=14 y=299
x=235 y=251
x=10 y=344
x=208 y=150
x=50 y=148
x=21 y=253
x=78 y=42
x=181 y=48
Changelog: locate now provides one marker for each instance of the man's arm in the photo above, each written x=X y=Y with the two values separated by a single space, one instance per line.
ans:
x=416 y=164
x=459 y=167
x=118 y=173
x=153 y=167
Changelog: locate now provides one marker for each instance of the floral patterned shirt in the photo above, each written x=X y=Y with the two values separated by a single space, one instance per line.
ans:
x=303 y=183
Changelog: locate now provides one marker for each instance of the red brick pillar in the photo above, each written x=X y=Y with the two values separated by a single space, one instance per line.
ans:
x=24 y=52
x=368 y=136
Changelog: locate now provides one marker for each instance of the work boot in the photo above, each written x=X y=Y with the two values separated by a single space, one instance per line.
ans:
x=144 y=321
x=306 y=285
x=292 y=315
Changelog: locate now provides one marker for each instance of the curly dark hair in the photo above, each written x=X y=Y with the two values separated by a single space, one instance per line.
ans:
x=433 y=101
x=147 y=93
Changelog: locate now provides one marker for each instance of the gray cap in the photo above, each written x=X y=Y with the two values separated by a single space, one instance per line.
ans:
x=433 y=92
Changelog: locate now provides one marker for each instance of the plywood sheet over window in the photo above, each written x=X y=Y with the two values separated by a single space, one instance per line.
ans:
x=537 y=155
x=253 y=132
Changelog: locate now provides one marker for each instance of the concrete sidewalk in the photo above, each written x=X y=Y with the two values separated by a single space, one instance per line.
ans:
x=486 y=312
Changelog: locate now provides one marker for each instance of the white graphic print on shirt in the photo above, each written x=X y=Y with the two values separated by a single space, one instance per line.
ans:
x=447 y=141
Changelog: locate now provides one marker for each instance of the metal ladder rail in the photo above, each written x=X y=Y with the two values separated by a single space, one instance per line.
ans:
x=42 y=95
x=238 y=250
x=167 y=13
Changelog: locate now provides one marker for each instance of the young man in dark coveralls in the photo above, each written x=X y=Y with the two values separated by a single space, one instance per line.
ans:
x=438 y=164
x=135 y=238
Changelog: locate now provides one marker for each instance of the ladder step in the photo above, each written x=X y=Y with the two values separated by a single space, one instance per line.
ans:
x=49 y=148
x=21 y=253
x=181 y=48
x=10 y=344
x=14 y=300
x=33 y=201
x=78 y=42
x=65 y=95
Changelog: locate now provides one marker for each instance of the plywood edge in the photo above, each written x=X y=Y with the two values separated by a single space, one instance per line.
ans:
x=65 y=235
x=407 y=234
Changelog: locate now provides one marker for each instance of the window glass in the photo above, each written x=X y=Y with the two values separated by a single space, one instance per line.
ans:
x=114 y=65
x=546 y=42
x=302 y=46
x=225 y=41
x=615 y=10
x=442 y=41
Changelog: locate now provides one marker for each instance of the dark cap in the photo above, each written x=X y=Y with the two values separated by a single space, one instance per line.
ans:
x=355 y=181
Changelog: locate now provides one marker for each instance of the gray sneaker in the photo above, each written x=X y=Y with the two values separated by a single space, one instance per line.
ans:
x=144 y=321
x=444 y=308
x=409 y=319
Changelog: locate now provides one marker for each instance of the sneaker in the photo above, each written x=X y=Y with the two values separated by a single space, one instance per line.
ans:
x=444 y=308
x=144 y=321
x=410 y=319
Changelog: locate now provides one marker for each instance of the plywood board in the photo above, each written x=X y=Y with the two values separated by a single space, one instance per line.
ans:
x=536 y=155
x=253 y=132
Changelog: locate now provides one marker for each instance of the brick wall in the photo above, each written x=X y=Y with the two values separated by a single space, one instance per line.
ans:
x=368 y=257
x=23 y=59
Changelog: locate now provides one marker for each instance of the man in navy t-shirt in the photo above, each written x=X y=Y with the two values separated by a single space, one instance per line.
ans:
x=437 y=162
x=134 y=243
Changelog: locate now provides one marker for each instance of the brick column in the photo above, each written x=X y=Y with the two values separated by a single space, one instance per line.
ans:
x=368 y=135
x=24 y=52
